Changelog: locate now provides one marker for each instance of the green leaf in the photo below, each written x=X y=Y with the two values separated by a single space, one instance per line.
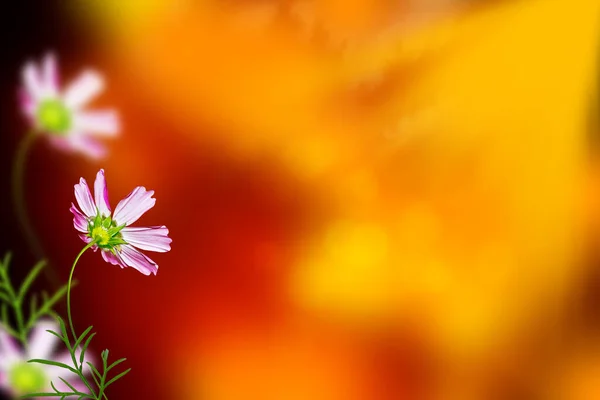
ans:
x=94 y=369
x=55 y=333
x=62 y=338
x=68 y=384
x=6 y=322
x=85 y=346
x=7 y=285
x=122 y=374
x=82 y=336
x=94 y=376
x=53 y=363
x=45 y=394
x=104 y=356
x=119 y=361
x=28 y=281
x=48 y=303
x=4 y=297
x=6 y=261
x=4 y=313
x=63 y=329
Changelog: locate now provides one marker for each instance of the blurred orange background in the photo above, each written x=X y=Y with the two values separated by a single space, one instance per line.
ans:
x=369 y=200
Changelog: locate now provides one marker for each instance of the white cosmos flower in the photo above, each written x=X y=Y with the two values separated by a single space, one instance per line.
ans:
x=61 y=114
x=18 y=377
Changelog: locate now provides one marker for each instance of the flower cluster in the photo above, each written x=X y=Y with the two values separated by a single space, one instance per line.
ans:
x=30 y=366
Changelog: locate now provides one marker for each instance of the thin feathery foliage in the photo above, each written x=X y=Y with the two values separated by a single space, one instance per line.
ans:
x=13 y=300
x=77 y=350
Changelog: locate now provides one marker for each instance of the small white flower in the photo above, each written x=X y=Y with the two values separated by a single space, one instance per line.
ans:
x=18 y=377
x=60 y=114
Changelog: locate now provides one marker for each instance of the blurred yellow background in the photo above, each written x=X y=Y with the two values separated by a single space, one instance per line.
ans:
x=439 y=162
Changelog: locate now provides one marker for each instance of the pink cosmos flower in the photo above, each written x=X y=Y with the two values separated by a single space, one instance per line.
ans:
x=112 y=234
x=18 y=377
x=61 y=114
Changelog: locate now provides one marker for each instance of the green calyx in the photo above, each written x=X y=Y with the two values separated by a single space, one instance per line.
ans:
x=54 y=117
x=27 y=378
x=105 y=232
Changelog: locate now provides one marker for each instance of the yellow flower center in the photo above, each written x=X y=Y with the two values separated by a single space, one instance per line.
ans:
x=54 y=116
x=100 y=235
x=27 y=378
x=105 y=233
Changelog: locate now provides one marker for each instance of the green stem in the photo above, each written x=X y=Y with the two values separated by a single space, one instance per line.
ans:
x=87 y=246
x=18 y=191
x=18 y=183
x=71 y=326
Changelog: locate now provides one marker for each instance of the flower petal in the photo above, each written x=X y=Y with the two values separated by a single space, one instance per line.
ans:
x=27 y=103
x=76 y=142
x=153 y=238
x=42 y=343
x=32 y=81
x=80 y=221
x=132 y=207
x=61 y=143
x=9 y=350
x=133 y=258
x=83 y=89
x=101 y=194
x=4 y=381
x=99 y=123
x=84 y=198
x=88 y=146
x=87 y=239
x=49 y=76
x=112 y=259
